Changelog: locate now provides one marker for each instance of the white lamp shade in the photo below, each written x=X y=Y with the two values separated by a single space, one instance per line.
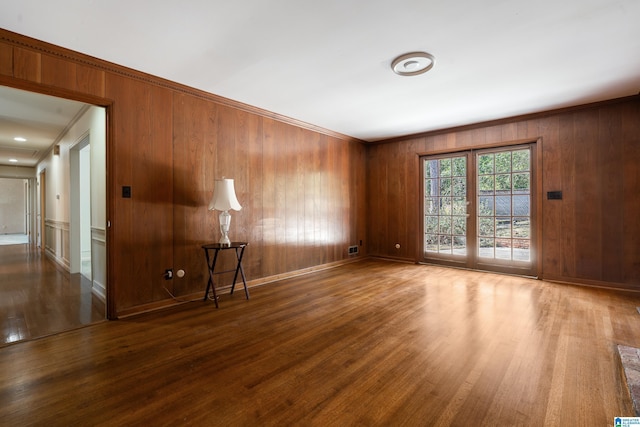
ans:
x=224 y=196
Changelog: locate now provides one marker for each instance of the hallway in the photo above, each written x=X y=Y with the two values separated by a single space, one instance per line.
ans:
x=38 y=298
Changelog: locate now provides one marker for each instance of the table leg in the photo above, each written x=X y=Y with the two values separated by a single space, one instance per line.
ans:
x=244 y=281
x=210 y=283
x=241 y=270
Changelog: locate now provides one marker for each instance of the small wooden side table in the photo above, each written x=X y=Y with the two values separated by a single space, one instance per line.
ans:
x=239 y=248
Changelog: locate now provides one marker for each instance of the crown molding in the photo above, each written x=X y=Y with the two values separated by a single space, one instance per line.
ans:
x=508 y=120
x=25 y=42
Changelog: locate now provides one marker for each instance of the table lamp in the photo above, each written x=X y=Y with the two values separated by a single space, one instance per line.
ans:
x=224 y=198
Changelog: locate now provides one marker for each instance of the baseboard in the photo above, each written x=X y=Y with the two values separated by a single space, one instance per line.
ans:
x=592 y=283
x=99 y=290
x=182 y=299
x=60 y=262
x=278 y=277
x=393 y=258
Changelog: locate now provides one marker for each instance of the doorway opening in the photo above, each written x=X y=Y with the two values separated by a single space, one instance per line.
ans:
x=59 y=280
x=80 y=212
x=15 y=211
x=42 y=196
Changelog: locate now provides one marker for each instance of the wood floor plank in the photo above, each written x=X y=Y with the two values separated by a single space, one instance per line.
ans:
x=38 y=298
x=368 y=343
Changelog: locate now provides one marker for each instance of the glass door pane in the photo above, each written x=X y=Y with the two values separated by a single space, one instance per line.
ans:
x=445 y=206
x=504 y=205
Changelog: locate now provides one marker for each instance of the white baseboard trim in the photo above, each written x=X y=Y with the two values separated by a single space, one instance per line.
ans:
x=99 y=290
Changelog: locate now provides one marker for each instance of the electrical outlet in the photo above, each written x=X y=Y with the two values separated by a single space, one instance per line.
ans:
x=353 y=250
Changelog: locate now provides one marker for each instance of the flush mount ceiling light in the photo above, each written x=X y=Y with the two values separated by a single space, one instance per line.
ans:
x=20 y=139
x=412 y=64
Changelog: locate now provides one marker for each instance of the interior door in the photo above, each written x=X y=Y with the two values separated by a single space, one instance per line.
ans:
x=478 y=209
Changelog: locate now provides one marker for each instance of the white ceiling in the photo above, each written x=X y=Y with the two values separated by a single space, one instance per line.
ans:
x=328 y=62
x=40 y=119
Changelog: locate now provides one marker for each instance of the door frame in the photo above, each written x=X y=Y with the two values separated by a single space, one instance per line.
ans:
x=536 y=202
x=107 y=104
x=77 y=199
x=42 y=197
x=513 y=267
x=452 y=260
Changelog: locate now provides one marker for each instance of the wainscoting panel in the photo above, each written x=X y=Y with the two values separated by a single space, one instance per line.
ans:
x=99 y=262
x=57 y=242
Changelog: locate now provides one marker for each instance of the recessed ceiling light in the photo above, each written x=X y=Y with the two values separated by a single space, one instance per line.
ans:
x=20 y=139
x=412 y=64
x=13 y=160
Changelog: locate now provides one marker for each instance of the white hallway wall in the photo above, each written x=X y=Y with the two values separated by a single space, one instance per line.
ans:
x=57 y=212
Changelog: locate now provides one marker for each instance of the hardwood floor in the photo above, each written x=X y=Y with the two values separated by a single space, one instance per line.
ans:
x=369 y=343
x=38 y=299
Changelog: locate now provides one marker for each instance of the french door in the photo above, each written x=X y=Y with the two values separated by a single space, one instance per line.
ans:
x=478 y=209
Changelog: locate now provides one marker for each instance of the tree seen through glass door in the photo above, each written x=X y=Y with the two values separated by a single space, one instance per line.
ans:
x=445 y=210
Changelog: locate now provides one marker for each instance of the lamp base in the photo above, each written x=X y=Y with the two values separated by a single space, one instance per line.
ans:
x=225 y=222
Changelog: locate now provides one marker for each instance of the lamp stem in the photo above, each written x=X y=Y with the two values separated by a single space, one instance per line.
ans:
x=225 y=222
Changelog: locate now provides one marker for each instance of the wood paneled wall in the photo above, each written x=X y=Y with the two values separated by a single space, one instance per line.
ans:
x=302 y=188
x=308 y=193
x=592 y=154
